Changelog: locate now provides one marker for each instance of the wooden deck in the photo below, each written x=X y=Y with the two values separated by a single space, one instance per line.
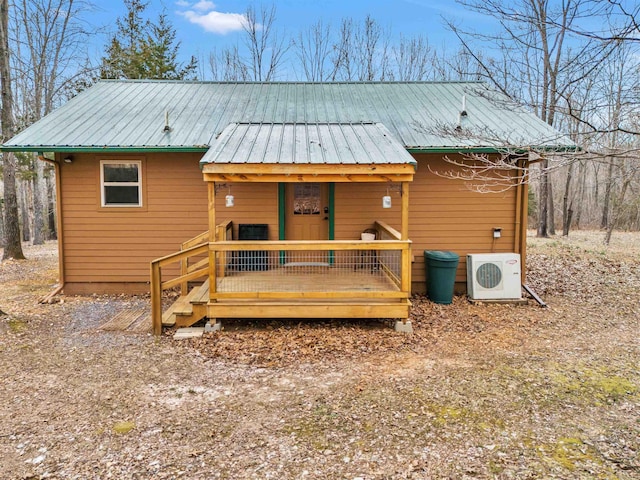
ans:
x=334 y=279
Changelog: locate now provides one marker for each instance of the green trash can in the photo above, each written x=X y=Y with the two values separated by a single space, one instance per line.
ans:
x=440 y=268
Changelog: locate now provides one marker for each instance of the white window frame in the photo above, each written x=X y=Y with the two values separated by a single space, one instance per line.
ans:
x=104 y=184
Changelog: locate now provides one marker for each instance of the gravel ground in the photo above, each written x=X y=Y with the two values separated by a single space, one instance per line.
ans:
x=478 y=391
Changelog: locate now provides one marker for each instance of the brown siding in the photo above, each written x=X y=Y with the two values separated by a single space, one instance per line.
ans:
x=445 y=214
x=111 y=248
x=254 y=203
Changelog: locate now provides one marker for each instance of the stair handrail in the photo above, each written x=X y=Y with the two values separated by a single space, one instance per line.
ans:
x=158 y=286
x=184 y=264
x=194 y=247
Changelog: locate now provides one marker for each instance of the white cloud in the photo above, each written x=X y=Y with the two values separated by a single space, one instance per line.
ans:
x=204 y=6
x=216 y=22
x=203 y=13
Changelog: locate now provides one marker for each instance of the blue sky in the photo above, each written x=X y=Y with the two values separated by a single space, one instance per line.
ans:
x=202 y=25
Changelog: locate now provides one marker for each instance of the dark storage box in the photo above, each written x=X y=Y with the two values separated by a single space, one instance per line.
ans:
x=252 y=259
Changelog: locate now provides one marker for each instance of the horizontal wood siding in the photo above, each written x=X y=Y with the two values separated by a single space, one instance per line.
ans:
x=113 y=246
x=358 y=205
x=106 y=249
x=253 y=203
x=445 y=214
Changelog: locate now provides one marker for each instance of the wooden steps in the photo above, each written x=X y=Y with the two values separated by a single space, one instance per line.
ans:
x=188 y=309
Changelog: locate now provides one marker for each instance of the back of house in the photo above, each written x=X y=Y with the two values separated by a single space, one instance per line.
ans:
x=144 y=166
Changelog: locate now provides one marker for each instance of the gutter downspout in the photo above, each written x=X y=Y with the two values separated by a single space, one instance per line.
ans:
x=56 y=165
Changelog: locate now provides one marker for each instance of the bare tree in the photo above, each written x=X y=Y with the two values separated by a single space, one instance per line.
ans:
x=266 y=48
x=361 y=52
x=49 y=45
x=313 y=47
x=413 y=59
x=543 y=66
x=12 y=245
x=227 y=66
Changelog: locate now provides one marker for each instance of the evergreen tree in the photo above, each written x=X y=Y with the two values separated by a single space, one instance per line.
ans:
x=143 y=49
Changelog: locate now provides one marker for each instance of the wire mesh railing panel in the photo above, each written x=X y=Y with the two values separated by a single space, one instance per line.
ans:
x=366 y=270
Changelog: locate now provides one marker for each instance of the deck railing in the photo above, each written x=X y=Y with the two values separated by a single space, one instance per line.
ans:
x=310 y=269
x=293 y=270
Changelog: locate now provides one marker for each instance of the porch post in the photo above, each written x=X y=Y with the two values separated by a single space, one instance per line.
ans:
x=404 y=231
x=211 y=189
x=405 y=281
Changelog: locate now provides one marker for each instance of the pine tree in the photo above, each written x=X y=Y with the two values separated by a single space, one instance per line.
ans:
x=143 y=49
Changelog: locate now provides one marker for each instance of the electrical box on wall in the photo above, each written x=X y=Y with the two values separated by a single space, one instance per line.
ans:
x=497 y=232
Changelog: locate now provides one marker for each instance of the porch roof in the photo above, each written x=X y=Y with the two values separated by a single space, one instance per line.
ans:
x=308 y=144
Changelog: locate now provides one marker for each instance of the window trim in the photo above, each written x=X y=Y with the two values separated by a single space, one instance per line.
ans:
x=104 y=184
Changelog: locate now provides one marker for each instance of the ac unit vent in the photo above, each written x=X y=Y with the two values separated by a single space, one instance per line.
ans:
x=489 y=275
x=493 y=276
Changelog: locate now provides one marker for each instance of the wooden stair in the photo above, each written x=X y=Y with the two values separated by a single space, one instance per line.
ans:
x=188 y=309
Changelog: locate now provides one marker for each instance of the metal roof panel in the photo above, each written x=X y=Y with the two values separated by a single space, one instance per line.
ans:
x=307 y=143
x=419 y=115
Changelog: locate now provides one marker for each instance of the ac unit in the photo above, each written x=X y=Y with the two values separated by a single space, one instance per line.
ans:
x=493 y=276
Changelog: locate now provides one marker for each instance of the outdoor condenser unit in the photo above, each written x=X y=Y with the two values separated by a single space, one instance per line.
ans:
x=493 y=276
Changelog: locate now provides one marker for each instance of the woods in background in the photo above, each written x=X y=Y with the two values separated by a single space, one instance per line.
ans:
x=574 y=63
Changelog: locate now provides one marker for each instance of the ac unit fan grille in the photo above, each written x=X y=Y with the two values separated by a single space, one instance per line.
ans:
x=489 y=275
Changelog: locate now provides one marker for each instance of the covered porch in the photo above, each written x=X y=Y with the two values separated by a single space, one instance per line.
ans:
x=293 y=277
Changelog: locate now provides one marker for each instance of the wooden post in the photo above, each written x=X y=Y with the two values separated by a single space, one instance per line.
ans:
x=156 y=298
x=211 y=188
x=184 y=269
x=404 y=233
x=405 y=211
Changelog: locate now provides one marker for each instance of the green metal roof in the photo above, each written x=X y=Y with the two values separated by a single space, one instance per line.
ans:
x=130 y=115
x=307 y=143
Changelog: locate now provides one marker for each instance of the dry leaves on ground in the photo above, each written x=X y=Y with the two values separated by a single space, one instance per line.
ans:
x=478 y=391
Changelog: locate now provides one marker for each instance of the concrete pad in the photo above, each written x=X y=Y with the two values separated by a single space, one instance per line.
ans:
x=404 y=327
x=190 y=332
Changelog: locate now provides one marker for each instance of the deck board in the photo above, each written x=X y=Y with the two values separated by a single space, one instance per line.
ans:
x=129 y=320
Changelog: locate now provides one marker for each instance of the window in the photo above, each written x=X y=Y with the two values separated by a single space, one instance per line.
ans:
x=306 y=199
x=121 y=183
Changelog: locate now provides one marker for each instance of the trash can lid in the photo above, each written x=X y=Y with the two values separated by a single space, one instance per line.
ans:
x=441 y=255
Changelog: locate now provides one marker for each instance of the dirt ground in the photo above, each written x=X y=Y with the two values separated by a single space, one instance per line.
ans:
x=478 y=391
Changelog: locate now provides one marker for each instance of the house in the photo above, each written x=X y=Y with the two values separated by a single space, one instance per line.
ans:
x=262 y=191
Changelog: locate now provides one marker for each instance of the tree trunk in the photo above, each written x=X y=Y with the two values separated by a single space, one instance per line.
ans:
x=604 y=221
x=39 y=225
x=51 y=207
x=543 y=201
x=566 y=208
x=582 y=179
x=12 y=245
x=551 y=212
x=1 y=224
x=618 y=210
x=26 y=212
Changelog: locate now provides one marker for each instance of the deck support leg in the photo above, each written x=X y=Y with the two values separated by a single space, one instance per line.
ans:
x=212 y=325
x=404 y=326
